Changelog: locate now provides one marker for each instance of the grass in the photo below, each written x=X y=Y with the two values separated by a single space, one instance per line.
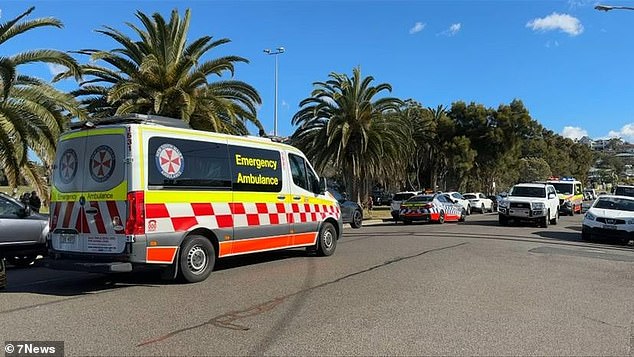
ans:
x=380 y=212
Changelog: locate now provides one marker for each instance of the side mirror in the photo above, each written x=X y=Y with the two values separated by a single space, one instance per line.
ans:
x=323 y=185
x=551 y=196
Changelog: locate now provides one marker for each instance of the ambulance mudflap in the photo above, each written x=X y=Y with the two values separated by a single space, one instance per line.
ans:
x=89 y=194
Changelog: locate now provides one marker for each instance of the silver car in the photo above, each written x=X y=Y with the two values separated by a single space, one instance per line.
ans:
x=22 y=232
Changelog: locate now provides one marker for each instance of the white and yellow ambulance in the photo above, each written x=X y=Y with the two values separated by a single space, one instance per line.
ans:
x=570 y=192
x=148 y=190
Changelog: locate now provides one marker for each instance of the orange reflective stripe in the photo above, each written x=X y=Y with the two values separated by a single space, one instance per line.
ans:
x=253 y=245
x=160 y=254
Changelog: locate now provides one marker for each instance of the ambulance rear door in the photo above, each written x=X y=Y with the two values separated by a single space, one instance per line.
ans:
x=89 y=192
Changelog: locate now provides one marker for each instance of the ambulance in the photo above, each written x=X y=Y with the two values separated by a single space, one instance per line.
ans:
x=148 y=190
x=570 y=192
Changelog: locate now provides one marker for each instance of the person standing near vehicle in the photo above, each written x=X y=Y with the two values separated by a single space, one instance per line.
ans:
x=35 y=202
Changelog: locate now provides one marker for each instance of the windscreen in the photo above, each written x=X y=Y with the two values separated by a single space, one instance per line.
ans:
x=420 y=199
x=521 y=191
x=402 y=196
x=624 y=191
x=469 y=197
x=620 y=204
x=563 y=188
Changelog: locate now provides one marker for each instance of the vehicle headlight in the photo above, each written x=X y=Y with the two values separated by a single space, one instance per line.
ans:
x=538 y=205
x=590 y=217
x=630 y=221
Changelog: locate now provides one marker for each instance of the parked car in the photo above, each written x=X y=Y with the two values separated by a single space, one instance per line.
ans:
x=351 y=212
x=3 y=274
x=610 y=216
x=479 y=202
x=624 y=190
x=381 y=198
x=535 y=202
x=495 y=199
x=22 y=232
x=456 y=197
x=399 y=198
x=431 y=208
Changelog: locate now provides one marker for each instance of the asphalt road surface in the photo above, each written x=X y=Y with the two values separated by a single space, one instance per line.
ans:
x=471 y=288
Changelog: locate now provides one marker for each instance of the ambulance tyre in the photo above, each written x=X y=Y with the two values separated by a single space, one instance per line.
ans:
x=196 y=259
x=327 y=240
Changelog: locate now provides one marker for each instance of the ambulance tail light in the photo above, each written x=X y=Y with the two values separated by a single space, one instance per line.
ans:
x=136 y=213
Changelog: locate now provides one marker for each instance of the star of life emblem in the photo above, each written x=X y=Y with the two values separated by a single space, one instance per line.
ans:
x=102 y=163
x=68 y=166
x=169 y=161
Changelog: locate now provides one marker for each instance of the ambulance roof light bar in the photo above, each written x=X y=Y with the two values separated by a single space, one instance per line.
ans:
x=132 y=119
x=557 y=178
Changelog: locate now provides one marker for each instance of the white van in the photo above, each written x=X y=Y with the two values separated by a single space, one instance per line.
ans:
x=148 y=190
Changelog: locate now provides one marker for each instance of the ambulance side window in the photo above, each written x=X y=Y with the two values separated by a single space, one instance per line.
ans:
x=303 y=175
x=298 y=170
x=181 y=163
x=255 y=169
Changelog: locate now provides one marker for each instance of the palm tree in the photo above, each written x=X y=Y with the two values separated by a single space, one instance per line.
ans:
x=343 y=125
x=32 y=112
x=161 y=73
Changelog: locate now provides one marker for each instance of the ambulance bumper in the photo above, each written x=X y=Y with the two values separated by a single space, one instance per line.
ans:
x=88 y=266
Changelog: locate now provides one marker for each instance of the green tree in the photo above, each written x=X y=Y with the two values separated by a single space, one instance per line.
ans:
x=32 y=112
x=162 y=73
x=342 y=124
x=533 y=169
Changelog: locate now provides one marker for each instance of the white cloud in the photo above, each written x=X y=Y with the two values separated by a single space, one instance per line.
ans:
x=56 y=69
x=574 y=132
x=418 y=27
x=562 y=22
x=452 y=30
x=550 y=44
x=626 y=133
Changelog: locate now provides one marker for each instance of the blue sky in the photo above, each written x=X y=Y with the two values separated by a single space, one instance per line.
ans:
x=571 y=65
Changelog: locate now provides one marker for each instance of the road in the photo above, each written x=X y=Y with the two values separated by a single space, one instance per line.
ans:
x=472 y=288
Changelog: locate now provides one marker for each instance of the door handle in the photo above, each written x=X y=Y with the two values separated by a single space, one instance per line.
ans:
x=281 y=197
x=91 y=211
x=297 y=198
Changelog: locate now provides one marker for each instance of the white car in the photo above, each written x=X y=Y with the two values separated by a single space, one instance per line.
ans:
x=535 y=202
x=610 y=216
x=479 y=201
x=399 y=198
x=456 y=197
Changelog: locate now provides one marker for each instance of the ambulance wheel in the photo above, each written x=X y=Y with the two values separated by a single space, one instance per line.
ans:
x=441 y=217
x=196 y=259
x=327 y=241
x=463 y=215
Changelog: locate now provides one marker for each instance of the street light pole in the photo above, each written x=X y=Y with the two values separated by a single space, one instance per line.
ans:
x=607 y=8
x=276 y=52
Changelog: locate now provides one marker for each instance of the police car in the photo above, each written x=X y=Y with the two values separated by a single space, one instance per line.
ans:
x=431 y=208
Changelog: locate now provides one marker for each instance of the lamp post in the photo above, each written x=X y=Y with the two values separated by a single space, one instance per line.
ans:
x=275 y=52
x=607 y=8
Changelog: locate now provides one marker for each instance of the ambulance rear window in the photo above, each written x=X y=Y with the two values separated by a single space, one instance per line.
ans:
x=181 y=163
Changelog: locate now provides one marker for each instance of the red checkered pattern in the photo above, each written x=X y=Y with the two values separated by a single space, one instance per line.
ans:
x=180 y=217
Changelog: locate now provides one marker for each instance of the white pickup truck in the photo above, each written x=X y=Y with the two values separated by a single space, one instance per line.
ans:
x=536 y=202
